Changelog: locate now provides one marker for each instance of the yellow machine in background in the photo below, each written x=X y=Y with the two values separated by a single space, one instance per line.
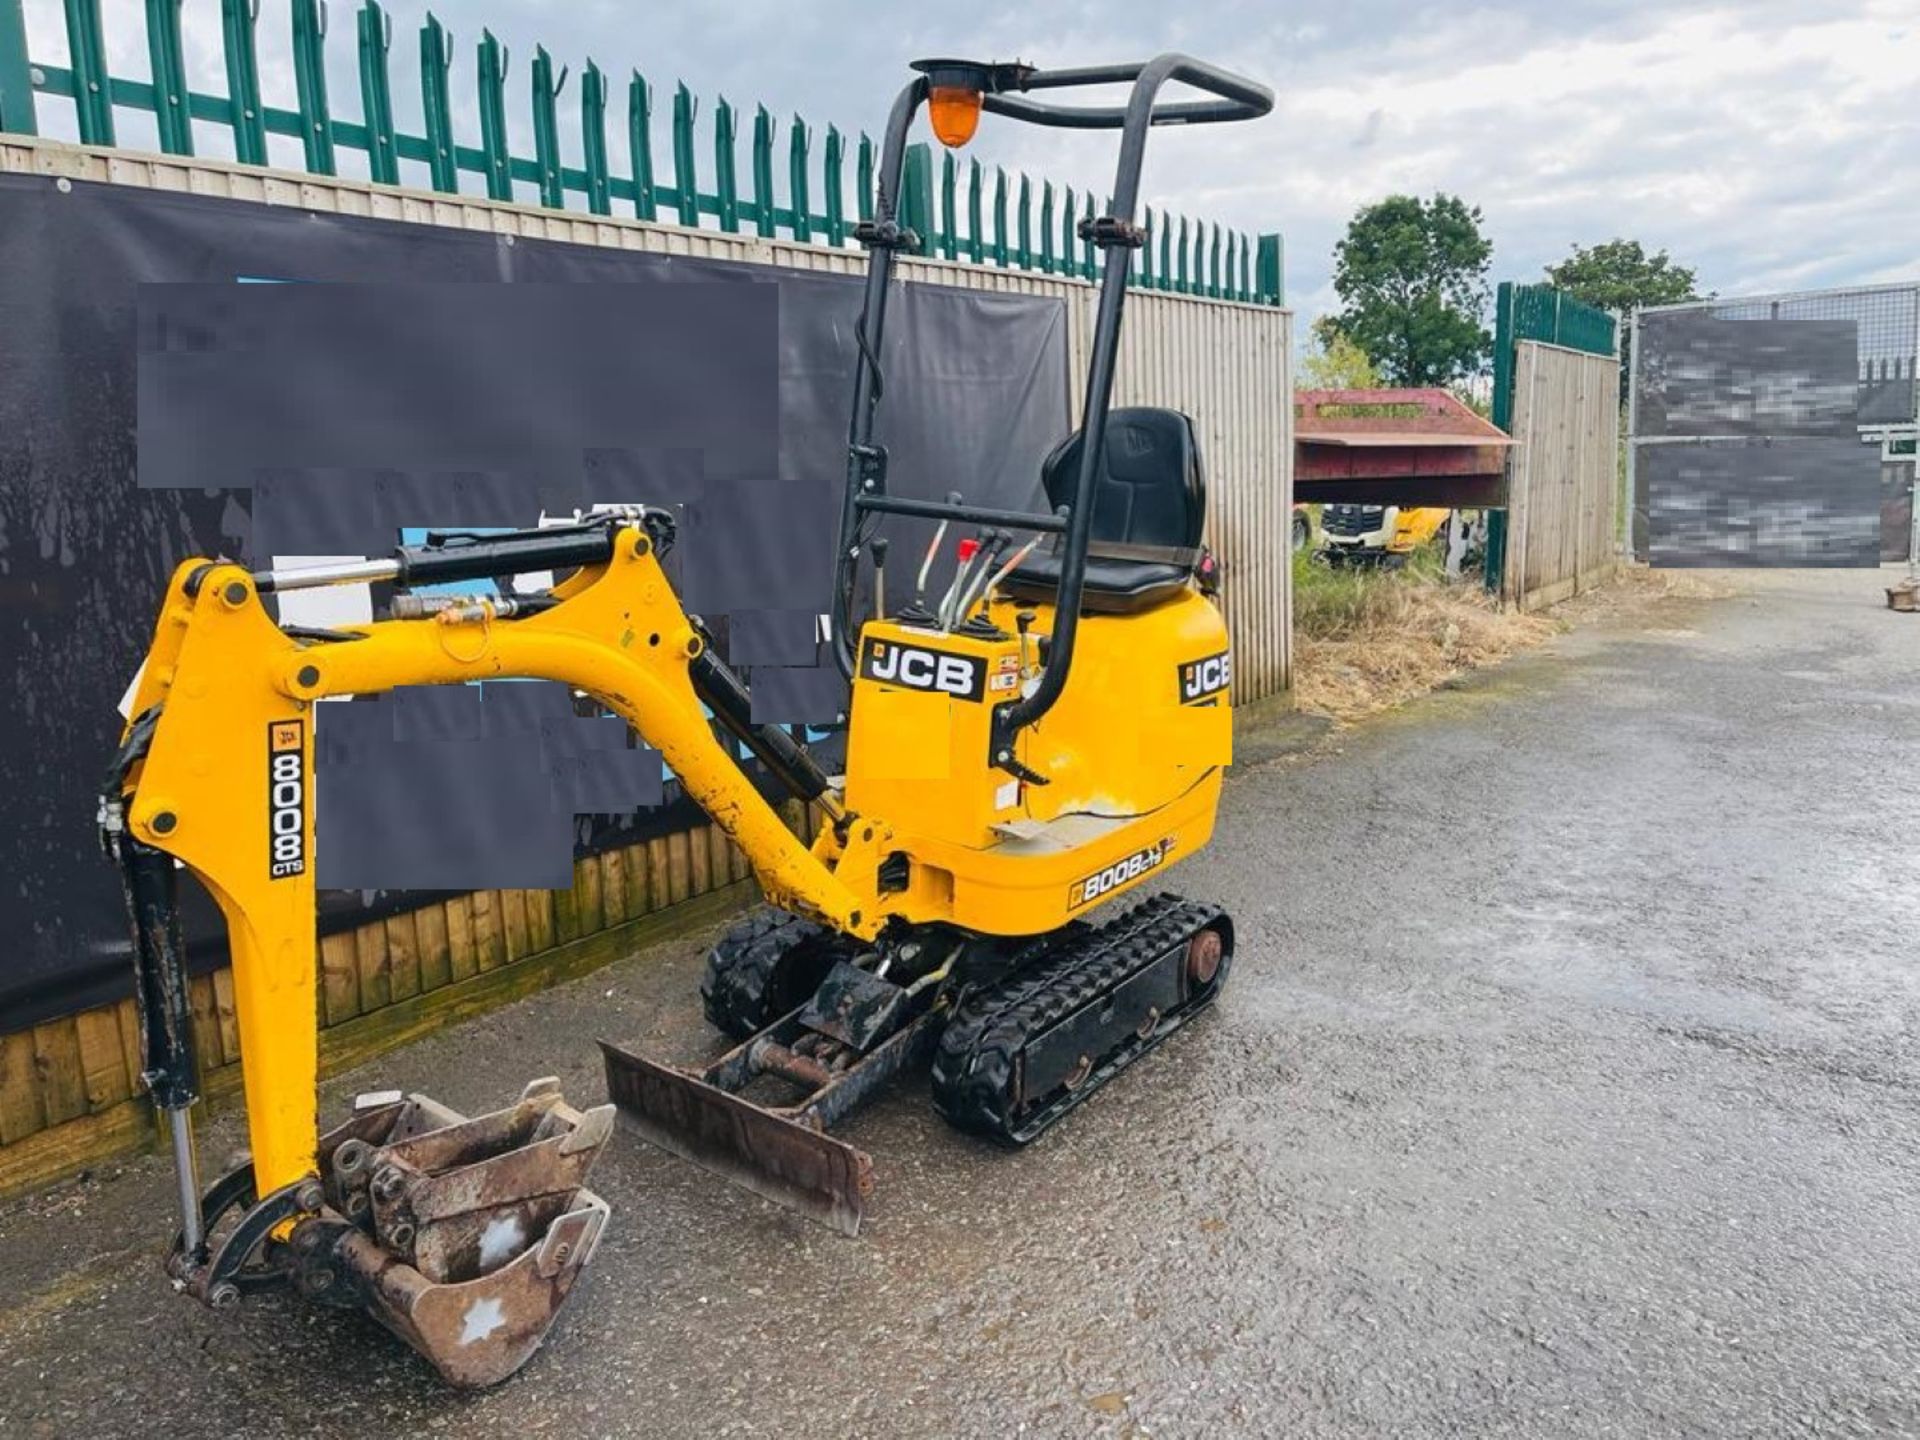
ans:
x=1385 y=535
x=1046 y=737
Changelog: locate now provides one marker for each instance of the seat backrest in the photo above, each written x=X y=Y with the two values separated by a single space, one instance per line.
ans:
x=1151 y=489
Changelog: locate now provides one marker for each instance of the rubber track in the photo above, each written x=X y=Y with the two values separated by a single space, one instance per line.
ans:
x=974 y=1067
x=742 y=989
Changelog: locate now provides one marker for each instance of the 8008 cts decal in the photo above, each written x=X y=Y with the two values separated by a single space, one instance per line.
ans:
x=1089 y=888
x=286 y=799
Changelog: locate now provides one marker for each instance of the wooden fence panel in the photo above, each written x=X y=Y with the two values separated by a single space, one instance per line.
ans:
x=1564 y=478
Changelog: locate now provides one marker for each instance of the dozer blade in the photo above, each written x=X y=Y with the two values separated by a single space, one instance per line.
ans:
x=762 y=1149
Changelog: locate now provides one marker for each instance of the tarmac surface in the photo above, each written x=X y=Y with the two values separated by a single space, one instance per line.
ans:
x=1566 y=1085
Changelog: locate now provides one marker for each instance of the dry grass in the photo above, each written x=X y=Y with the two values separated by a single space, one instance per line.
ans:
x=1366 y=641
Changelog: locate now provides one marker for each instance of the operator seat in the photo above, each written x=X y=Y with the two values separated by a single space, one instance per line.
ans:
x=1149 y=509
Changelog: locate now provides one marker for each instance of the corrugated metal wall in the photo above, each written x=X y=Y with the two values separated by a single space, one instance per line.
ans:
x=1564 y=479
x=69 y=1088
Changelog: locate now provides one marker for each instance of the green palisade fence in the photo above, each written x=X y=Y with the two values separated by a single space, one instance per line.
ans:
x=1534 y=312
x=959 y=211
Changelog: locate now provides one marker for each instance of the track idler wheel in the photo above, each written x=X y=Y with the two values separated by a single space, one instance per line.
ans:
x=765 y=966
x=1020 y=1054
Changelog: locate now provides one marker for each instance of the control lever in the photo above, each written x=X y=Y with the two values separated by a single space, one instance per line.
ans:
x=1023 y=622
x=997 y=541
x=969 y=552
x=879 y=550
x=916 y=611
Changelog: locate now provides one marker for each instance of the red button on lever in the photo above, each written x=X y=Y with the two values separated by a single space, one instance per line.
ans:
x=968 y=549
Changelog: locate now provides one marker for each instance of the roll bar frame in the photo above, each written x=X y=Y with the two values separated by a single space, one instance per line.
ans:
x=1005 y=90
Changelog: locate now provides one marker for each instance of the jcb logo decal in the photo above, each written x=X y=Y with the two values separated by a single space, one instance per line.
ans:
x=286 y=799
x=1091 y=887
x=1203 y=679
x=917 y=668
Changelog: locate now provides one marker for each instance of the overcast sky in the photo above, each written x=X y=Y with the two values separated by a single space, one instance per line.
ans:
x=1774 y=144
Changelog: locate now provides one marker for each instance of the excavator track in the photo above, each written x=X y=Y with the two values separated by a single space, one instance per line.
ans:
x=766 y=964
x=1017 y=1055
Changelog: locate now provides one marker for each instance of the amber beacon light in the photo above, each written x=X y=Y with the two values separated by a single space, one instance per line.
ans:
x=954 y=112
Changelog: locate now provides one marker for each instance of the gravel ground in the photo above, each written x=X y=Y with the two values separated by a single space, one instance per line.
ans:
x=1566 y=1085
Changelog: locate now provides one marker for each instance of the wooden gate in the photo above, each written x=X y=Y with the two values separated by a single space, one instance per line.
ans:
x=1564 y=480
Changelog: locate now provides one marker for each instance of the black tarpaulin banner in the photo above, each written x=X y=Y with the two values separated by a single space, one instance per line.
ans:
x=976 y=394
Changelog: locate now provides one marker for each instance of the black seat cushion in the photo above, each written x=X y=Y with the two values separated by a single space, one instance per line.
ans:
x=1111 y=587
x=1149 y=495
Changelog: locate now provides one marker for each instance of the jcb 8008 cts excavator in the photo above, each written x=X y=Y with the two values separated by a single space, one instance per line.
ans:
x=1046 y=737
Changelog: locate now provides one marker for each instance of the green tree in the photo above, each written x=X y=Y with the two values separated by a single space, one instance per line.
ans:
x=1411 y=275
x=1335 y=362
x=1619 y=275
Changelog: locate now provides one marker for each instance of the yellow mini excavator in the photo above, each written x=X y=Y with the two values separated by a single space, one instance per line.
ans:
x=1045 y=738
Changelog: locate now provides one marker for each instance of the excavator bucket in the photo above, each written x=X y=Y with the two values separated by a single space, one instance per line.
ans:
x=463 y=1236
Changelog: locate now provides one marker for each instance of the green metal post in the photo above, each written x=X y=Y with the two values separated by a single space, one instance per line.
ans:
x=1166 y=252
x=916 y=195
x=16 y=72
x=1213 y=264
x=1246 y=267
x=493 y=116
x=1228 y=289
x=376 y=93
x=949 y=183
x=436 y=104
x=1086 y=240
x=1068 y=265
x=863 y=178
x=1046 y=227
x=1269 y=287
x=762 y=171
x=1000 y=250
x=726 y=183
x=686 y=187
x=640 y=143
x=1145 y=277
x=170 y=104
x=1503 y=355
x=976 y=230
x=1023 y=256
x=91 y=102
x=799 y=142
x=833 y=166
x=310 y=84
x=1503 y=338
x=1184 y=283
x=546 y=127
x=243 y=82
x=593 y=138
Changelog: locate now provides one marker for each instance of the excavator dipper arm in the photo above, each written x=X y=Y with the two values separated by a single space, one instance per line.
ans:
x=216 y=772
